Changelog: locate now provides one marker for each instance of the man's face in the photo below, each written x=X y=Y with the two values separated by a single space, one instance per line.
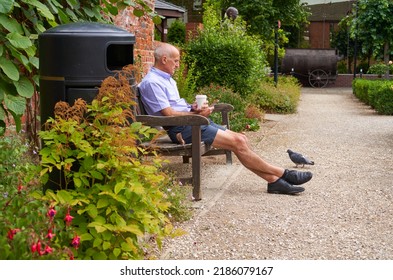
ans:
x=171 y=62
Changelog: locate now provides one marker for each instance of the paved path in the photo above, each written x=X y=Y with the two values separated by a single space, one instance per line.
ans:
x=346 y=211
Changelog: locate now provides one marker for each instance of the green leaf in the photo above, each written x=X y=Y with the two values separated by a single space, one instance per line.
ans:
x=34 y=61
x=74 y=4
x=15 y=104
x=17 y=120
x=77 y=182
x=41 y=8
x=97 y=242
x=64 y=197
x=96 y=175
x=157 y=19
x=99 y=256
x=10 y=24
x=102 y=202
x=9 y=69
x=6 y=6
x=2 y=113
x=18 y=41
x=138 y=12
x=24 y=87
x=116 y=252
x=133 y=229
x=119 y=186
x=86 y=236
x=99 y=228
x=106 y=245
x=92 y=211
x=126 y=246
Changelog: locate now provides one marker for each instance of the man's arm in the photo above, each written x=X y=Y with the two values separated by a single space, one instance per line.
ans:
x=205 y=111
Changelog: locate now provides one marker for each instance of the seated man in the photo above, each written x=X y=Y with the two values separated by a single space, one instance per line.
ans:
x=160 y=96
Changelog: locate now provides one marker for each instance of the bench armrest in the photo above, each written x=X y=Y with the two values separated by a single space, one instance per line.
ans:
x=223 y=107
x=193 y=120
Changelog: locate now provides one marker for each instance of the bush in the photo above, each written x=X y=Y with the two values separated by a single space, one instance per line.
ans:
x=114 y=202
x=244 y=116
x=282 y=98
x=376 y=93
x=225 y=55
x=177 y=33
x=378 y=69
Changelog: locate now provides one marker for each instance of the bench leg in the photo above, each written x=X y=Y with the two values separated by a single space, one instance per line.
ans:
x=228 y=155
x=186 y=159
x=196 y=162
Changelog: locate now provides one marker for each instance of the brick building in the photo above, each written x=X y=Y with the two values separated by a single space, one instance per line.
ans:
x=324 y=20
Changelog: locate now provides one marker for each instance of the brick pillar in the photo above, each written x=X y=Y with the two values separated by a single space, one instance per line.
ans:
x=192 y=29
x=143 y=29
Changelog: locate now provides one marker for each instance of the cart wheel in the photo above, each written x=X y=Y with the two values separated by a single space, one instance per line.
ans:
x=318 y=78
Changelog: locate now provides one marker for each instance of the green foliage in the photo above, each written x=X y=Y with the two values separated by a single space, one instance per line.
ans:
x=23 y=218
x=115 y=203
x=262 y=15
x=114 y=193
x=20 y=24
x=227 y=56
x=177 y=33
x=376 y=93
x=379 y=69
x=240 y=120
x=282 y=98
x=372 y=26
x=186 y=78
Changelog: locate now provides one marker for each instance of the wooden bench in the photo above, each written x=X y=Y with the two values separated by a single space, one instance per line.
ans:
x=195 y=150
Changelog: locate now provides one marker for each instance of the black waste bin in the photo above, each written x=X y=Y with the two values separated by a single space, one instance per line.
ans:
x=75 y=58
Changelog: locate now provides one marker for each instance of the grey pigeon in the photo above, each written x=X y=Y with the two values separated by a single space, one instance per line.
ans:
x=299 y=159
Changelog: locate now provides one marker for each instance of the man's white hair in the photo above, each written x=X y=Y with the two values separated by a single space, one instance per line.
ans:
x=164 y=49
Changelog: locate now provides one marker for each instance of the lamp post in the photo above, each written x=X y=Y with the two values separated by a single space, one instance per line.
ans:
x=232 y=13
x=355 y=50
x=276 y=52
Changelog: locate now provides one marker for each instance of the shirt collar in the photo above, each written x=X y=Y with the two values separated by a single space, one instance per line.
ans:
x=161 y=73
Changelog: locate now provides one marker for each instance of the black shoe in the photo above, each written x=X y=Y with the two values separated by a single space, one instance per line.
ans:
x=283 y=187
x=296 y=177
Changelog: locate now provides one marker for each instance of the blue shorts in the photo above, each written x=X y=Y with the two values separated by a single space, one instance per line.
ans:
x=208 y=132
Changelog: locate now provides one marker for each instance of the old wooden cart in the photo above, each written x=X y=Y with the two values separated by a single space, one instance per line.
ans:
x=313 y=67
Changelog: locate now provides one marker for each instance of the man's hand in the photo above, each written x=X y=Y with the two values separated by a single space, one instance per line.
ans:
x=205 y=111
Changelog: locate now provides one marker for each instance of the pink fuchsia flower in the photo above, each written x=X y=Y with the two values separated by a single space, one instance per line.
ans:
x=68 y=219
x=50 y=235
x=47 y=250
x=76 y=241
x=36 y=247
x=51 y=213
x=20 y=188
x=11 y=233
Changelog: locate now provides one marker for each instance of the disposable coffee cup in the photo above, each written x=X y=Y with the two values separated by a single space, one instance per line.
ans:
x=200 y=99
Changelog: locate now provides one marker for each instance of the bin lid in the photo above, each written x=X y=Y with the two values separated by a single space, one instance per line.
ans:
x=86 y=27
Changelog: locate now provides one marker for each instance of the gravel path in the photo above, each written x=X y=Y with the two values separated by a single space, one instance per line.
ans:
x=346 y=211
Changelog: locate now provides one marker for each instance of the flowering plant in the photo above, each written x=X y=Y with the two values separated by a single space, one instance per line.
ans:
x=29 y=227
x=113 y=203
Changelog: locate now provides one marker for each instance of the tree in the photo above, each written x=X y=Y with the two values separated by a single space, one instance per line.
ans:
x=345 y=44
x=21 y=21
x=373 y=25
x=262 y=15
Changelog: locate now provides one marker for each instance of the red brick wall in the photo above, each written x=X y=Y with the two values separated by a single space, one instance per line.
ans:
x=143 y=29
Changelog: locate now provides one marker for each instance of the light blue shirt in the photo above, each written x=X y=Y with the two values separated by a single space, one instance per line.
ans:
x=159 y=91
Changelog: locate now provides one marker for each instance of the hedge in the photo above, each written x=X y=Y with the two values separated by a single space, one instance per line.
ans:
x=376 y=93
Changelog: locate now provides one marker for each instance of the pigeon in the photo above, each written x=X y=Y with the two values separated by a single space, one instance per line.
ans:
x=299 y=159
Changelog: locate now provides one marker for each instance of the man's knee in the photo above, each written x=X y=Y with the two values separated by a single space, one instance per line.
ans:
x=240 y=141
